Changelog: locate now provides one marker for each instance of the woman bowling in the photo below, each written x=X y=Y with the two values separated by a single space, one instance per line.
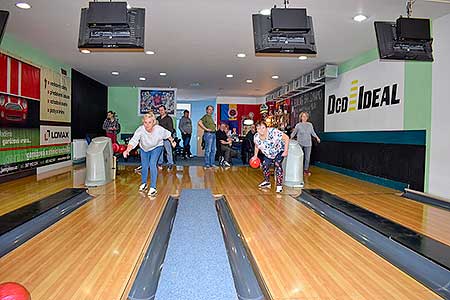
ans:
x=150 y=137
x=274 y=145
x=304 y=130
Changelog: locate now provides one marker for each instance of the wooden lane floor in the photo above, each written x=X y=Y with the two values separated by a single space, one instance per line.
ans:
x=302 y=256
x=94 y=252
x=423 y=218
x=20 y=192
x=91 y=253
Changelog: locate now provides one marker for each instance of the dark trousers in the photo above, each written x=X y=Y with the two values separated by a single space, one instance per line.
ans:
x=186 y=144
x=228 y=152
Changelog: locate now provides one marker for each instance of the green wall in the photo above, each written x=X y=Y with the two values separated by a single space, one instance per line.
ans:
x=23 y=51
x=417 y=95
x=124 y=101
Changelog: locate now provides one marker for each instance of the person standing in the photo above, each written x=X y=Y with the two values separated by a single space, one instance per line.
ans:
x=150 y=137
x=304 y=130
x=185 y=127
x=166 y=122
x=209 y=126
x=274 y=145
x=112 y=126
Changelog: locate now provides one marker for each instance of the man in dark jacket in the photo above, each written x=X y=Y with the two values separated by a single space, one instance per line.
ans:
x=166 y=122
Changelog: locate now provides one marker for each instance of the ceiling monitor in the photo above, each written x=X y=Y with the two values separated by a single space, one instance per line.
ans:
x=107 y=13
x=405 y=39
x=286 y=32
x=289 y=19
x=110 y=26
x=3 y=19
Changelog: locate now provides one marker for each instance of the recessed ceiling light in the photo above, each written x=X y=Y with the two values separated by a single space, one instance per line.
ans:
x=162 y=74
x=302 y=57
x=249 y=81
x=142 y=78
x=115 y=73
x=128 y=6
x=241 y=55
x=230 y=76
x=359 y=18
x=275 y=77
x=265 y=11
x=85 y=51
x=149 y=52
x=194 y=84
x=23 y=5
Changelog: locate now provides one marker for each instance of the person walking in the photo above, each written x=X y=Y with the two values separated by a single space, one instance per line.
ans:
x=304 y=130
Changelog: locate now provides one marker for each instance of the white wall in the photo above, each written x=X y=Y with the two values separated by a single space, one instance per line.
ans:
x=439 y=179
x=240 y=100
x=378 y=78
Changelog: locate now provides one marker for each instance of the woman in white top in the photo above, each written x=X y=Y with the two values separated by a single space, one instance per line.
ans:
x=150 y=138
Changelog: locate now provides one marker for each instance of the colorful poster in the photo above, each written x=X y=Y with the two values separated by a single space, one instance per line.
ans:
x=150 y=99
x=55 y=97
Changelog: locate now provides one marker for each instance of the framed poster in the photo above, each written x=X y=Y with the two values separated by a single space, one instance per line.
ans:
x=150 y=99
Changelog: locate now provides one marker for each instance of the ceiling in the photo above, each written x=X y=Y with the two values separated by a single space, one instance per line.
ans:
x=196 y=41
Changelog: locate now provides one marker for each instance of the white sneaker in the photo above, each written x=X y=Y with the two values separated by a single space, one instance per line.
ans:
x=279 y=188
x=142 y=187
x=226 y=164
x=264 y=185
x=152 y=192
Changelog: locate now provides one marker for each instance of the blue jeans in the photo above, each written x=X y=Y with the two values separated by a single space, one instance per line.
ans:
x=186 y=144
x=149 y=160
x=168 y=150
x=210 y=148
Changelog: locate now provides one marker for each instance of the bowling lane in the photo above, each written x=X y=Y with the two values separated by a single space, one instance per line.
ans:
x=423 y=218
x=20 y=192
x=93 y=252
x=302 y=256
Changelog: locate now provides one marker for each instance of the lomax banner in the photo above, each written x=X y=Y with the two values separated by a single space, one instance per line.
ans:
x=55 y=96
x=368 y=98
x=55 y=135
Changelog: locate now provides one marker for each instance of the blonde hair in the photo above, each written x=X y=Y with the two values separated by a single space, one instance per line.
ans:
x=303 y=113
x=149 y=115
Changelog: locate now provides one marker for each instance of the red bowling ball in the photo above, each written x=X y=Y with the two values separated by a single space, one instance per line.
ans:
x=122 y=148
x=115 y=147
x=254 y=162
x=13 y=291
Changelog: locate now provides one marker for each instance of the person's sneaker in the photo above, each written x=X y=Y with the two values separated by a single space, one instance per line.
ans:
x=226 y=164
x=264 y=185
x=279 y=188
x=206 y=167
x=169 y=168
x=142 y=187
x=152 y=192
x=160 y=167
